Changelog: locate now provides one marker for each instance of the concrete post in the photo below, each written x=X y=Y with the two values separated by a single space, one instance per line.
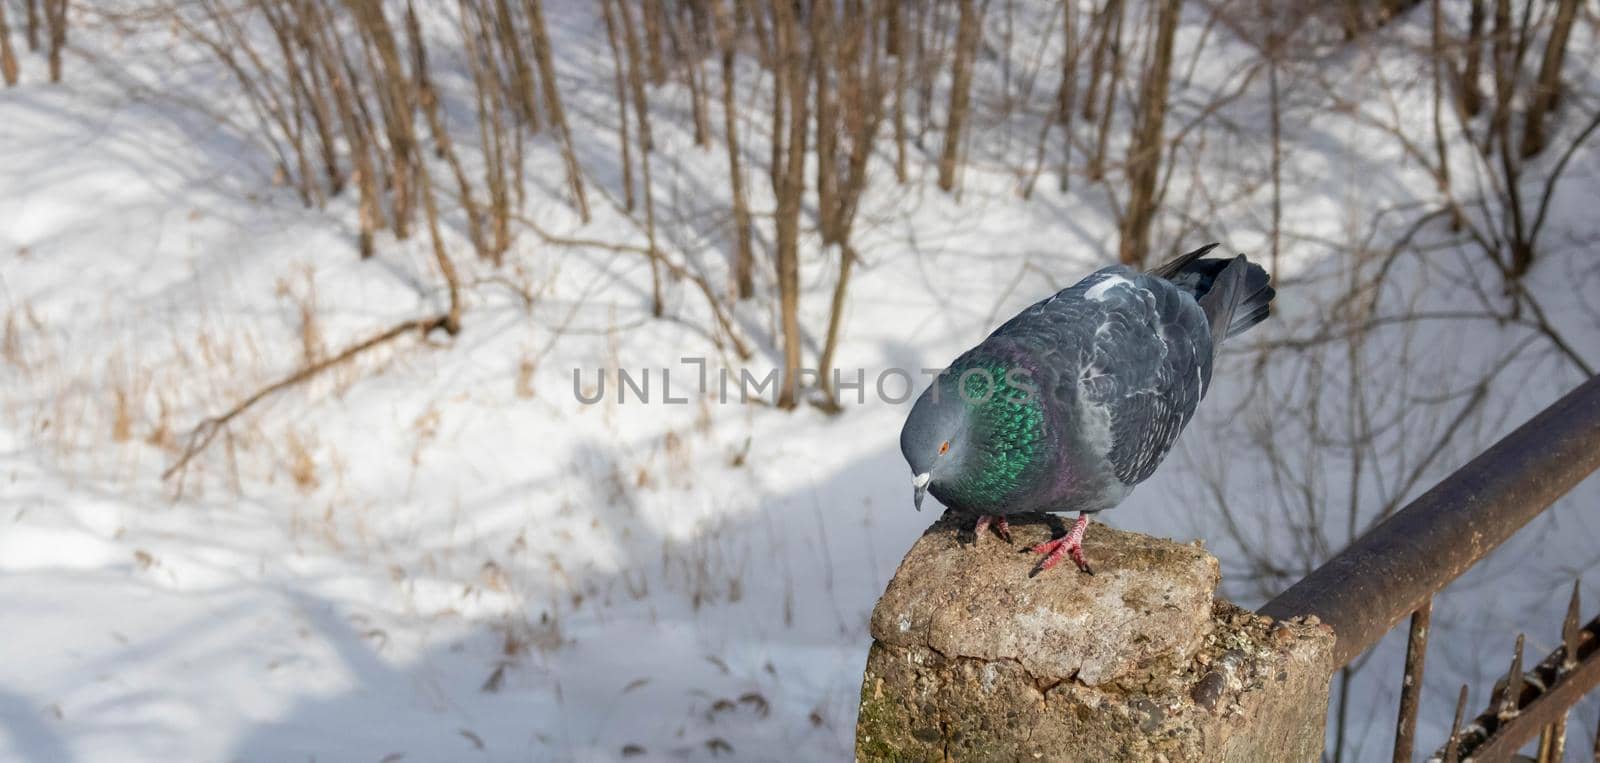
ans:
x=973 y=660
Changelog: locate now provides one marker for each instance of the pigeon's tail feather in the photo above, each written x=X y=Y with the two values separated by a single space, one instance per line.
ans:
x=1235 y=293
x=1171 y=268
x=1257 y=303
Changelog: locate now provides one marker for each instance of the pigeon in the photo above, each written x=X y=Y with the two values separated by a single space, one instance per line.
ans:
x=1077 y=399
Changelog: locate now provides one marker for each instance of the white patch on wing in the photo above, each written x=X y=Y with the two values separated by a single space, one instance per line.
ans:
x=1098 y=291
x=1095 y=421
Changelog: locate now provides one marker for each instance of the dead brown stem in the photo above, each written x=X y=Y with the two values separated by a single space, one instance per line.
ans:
x=206 y=431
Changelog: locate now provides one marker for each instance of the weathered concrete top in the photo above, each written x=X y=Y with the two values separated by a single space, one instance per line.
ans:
x=1149 y=601
x=973 y=660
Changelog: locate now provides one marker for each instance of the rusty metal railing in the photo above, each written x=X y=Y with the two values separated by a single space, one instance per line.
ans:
x=1529 y=703
x=1396 y=567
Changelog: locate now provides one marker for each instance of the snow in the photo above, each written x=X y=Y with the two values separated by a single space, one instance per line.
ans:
x=439 y=552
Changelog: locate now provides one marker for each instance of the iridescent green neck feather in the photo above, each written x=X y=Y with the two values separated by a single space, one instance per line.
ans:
x=1007 y=427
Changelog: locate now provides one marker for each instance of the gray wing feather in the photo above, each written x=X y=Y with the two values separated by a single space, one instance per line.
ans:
x=1135 y=353
x=1146 y=369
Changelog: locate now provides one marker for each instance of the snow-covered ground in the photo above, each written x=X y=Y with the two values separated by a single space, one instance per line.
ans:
x=437 y=552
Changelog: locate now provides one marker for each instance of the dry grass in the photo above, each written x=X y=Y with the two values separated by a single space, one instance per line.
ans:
x=427 y=428
x=525 y=369
x=704 y=566
x=122 y=416
x=129 y=386
x=11 y=342
x=14 y=341
x=313 y=348
x=302 y=465
x=161 y=435
x=679 y=460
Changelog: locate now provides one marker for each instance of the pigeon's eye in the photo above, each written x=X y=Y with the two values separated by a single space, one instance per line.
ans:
x=944 y=447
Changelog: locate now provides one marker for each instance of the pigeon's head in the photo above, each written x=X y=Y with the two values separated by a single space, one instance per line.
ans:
x=936 y=438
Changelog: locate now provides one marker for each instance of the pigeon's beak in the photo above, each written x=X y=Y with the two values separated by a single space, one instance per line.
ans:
x=920 y=484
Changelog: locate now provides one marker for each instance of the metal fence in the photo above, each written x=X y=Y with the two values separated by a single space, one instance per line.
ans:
x=1395 y=569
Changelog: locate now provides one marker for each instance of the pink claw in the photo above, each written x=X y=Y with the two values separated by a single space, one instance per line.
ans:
x=1001 y=528
x=1070 y=544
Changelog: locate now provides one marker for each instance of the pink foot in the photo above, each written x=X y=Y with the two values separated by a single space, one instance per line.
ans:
x=1000 y=527
x=1070 y=544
